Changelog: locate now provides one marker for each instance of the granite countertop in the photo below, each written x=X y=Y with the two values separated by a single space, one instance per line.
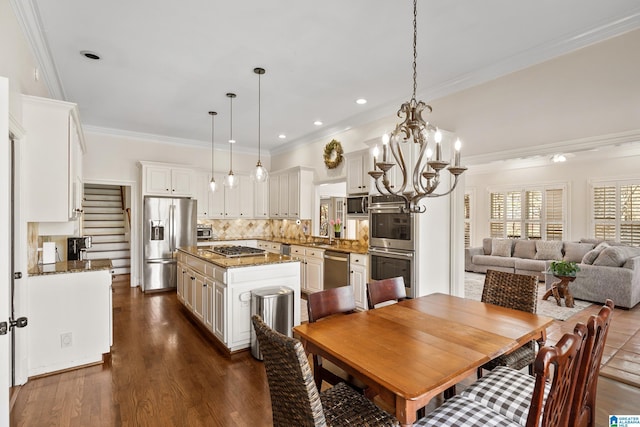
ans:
x=339 y=245
x=64 y=267
x=247 y=261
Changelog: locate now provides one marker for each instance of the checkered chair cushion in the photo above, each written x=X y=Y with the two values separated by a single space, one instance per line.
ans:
x=463 y=412
x=505 y=391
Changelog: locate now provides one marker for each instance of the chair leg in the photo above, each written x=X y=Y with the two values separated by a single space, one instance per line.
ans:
x=450 y=392
x=531 y=369
x=479 y=373
x=317 y=373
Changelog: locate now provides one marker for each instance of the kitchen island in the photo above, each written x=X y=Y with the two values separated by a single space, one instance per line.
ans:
x=216 y=290
x=70 y=315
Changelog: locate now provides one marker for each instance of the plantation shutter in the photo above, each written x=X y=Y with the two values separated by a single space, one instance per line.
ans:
x=497 y=210
x=467 y=220
x=554 y=214
x=604 y=212
x=630 y=214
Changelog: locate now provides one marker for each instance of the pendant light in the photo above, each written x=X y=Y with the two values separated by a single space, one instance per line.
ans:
x=260 y=173
x=212 y=183
x=231 y=181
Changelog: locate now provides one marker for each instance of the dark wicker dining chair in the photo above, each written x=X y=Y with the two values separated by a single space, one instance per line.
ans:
x=295 y=400
x=322 y=304
x=520 y=292
x=379 y=291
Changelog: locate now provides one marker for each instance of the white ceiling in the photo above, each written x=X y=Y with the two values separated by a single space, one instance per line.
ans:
x=165 y=64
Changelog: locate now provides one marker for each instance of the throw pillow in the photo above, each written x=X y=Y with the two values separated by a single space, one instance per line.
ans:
x=501 y=247
x=591 y=256
x=574 y=252
x=525 y=249
x=548 y=249
x=612 y=256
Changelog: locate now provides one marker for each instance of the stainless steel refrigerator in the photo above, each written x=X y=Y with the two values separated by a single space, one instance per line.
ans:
x=168 y=224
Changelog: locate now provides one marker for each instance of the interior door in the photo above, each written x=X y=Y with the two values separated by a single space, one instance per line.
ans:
x=5 y=254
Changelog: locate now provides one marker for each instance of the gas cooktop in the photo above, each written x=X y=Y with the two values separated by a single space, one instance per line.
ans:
x=236 y=251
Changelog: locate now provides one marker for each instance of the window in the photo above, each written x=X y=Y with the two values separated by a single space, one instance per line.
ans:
x=616 y=211
x=528 y=213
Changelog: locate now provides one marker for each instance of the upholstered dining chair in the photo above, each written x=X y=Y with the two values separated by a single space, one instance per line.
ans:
x=546 y=400
x=295 y=400
x=520 y=292
x=584 y=402
x=379 y=291
x=322 y=304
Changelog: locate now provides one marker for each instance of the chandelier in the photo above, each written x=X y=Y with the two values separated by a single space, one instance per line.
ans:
x=425 y=173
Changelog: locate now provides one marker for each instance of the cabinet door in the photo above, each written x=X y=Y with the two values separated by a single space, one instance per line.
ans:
x=209 y=304
x=216 y=199
x=201 y=193
x=261 y=199
x=294 y=195
x=232 y=201
x=189 y=288
x=199 y=297
x=180 y=282
x=219 y=324
x=359 y=283
x=314 y=274
x=274 y=199
x=246 y=197
x=354 y=175
x=157 y=180
x=283 y=194
x=181 y=182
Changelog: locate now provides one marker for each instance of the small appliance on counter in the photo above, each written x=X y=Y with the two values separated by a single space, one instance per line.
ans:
x=204 y=232
x=77 y=248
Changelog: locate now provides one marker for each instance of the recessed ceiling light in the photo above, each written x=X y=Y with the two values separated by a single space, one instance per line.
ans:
x=361 y=101
x=90 y=55
x=317 y=123
x=282 y=136
x=232 y=141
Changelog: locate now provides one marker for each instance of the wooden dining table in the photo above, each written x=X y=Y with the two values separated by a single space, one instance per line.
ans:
x=409 y=352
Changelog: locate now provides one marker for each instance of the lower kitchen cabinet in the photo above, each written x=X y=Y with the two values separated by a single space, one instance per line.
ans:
x=220 y=298
x=311 y=267
x=358 y=277
x=70 y=320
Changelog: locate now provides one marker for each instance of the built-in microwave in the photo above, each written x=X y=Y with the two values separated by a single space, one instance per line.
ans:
x=357 y=205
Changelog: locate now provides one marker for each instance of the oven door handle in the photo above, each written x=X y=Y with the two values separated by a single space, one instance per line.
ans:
x=388 y=252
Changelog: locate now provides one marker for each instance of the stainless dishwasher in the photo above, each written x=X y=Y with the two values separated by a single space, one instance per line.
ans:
x=336 y=269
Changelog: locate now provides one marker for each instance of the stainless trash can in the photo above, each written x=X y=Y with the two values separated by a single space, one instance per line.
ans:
x=275 y=306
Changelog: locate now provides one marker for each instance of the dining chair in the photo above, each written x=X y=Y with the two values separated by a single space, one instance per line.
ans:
x=379 y=291
x=584 y=401
x=547 y=399
x=520 y=292
x=295 y=400
x=322 y=304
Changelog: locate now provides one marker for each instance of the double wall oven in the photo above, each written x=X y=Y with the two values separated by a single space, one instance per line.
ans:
x=391 y=241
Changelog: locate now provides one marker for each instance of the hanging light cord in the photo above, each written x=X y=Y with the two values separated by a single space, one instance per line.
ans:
x=415 y=50
x=259 y=103
x=231 y=134
x=212 y=113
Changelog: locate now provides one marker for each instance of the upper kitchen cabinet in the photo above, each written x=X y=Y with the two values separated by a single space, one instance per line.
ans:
x=223 y=203
x=167 y=180
x=358 y=166
x=291 y=194
x=54 y=150
x=261 y=199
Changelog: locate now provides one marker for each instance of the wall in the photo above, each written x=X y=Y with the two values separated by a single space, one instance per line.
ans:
x=576 y=172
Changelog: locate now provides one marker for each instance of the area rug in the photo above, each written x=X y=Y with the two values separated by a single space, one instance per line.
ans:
x=473 y=283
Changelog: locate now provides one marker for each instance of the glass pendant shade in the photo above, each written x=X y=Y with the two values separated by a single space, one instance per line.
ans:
x=259 y=173
x=231 y=181
x=212 y=184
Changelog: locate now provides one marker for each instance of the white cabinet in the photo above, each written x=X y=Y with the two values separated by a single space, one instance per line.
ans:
x=209 y=304
x=53 y=160
x=311 y=267
x=223 y=203
x=291 y=194
x=182 y=272
x=358 y=278
x=199 y=297
x=167 y=180
x=261 y=199
x=358 y=166
x=220 y=313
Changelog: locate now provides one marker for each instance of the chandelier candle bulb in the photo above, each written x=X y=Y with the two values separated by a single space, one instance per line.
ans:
x=456 y=158
x=375 y=156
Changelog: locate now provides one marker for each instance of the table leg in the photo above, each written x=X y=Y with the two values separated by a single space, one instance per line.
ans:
x=568 y=299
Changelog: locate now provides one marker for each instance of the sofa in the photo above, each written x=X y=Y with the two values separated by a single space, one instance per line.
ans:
x=607 y=269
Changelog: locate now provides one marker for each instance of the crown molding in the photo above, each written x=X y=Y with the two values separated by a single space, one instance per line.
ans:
x=148 y=137
x=28 y=18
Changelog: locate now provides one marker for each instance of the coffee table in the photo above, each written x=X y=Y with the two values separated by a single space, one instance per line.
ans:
x=561 y=290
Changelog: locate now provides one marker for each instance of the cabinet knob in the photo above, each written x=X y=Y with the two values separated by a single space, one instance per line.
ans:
x=351 y=271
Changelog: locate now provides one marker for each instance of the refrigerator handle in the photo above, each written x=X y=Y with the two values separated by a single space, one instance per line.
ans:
x=172 y=233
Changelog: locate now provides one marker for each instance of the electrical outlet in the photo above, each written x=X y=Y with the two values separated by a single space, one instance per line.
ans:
x=66 y=340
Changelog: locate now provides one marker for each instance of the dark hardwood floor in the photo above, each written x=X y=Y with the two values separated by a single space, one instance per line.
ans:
x=163 y=371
